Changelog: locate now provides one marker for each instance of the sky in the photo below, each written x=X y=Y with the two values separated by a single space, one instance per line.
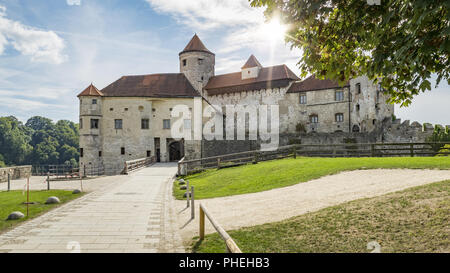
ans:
x=50 y=50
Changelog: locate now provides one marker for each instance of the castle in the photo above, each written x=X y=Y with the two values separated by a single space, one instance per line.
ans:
x=132 y=117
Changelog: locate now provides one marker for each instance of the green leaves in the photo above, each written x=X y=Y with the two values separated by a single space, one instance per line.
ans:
x=401 y=42
x=39 y=141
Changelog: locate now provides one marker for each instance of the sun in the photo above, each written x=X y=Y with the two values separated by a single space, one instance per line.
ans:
x=274 y=30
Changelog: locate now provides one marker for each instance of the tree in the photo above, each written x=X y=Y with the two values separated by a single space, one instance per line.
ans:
x=398 y=43
x=40 y=123
x=46 y=152
x=14 y=141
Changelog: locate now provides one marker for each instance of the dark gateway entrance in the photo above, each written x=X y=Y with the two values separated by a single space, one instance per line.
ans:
x=176 y=150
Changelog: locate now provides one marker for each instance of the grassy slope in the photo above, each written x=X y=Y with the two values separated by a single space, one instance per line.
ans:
x=285 y=172
x=413 y=220
x=12 y=201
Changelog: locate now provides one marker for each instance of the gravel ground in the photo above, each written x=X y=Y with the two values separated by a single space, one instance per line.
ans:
x=275 y=205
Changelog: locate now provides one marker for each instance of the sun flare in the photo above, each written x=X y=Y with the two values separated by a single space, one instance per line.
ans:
x=275 y=30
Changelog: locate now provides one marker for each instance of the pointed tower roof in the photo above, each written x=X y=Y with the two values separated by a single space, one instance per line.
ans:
x=251 y=62
x=91 y=90
x=195 y=44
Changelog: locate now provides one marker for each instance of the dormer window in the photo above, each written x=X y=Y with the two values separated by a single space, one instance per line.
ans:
x=251 y=68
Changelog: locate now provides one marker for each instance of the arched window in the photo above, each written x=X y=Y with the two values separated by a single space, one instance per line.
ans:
x=355 y=129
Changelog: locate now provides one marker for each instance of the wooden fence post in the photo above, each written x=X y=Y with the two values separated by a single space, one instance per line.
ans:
x=202 y=224
x=48 y=181
x=218 y=163
x=411 y=148
x=192 y=203
x=294 y=152
x=187 y=192
x=372 y=150
x=9 y=181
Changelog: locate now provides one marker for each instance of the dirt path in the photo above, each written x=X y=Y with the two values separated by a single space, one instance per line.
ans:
x=278 y=204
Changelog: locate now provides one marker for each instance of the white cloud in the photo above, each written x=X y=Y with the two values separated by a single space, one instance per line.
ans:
x=73 y=2
x=209 y=14
x=40 y=45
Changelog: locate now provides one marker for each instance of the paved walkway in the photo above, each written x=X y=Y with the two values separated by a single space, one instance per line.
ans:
x=275 y=205
x=133 y=213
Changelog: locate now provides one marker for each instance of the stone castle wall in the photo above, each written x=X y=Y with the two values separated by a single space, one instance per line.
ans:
x=16 y=172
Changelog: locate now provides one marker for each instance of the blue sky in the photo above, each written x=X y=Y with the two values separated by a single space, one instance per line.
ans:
x=51 y=50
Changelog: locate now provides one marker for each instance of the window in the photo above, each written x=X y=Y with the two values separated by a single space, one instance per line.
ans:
x=339 y=95
x=184 y=62
x=81 y=123
x=126 y=109
x=94 y=123
x=187 y=124
x=358 y=88
x=314 y=118
x=200 y=61
x=94 y=101
x=122 y=150
x=149 y=153
x=81 y=152
x=339 y=117
x=166 y=123
x=303 y=99
x=99 y=153
x=357 y=107
x=145 y=123
x=111 y=109
x=118 y=124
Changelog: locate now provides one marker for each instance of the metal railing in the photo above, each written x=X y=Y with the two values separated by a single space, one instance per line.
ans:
x=231 y=245
x=315 y=150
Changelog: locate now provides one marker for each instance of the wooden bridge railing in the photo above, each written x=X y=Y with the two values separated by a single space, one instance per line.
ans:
x=315 y=150
x=132 y=165
x=231 y=245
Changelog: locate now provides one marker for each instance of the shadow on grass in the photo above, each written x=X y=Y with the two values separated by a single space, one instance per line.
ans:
x=197 y=245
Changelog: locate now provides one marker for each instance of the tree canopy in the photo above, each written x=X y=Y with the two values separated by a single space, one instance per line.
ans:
x=398 y=43
x=38 y=142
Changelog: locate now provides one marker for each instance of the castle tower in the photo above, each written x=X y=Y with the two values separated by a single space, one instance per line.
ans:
x=90 y=129
x=197 y=63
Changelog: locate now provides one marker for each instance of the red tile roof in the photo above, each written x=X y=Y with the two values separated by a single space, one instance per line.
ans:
x=251 y=62
x=91 y=90
x=311 y=84
x=268 y=77
x=170 y=85
x=195 y=45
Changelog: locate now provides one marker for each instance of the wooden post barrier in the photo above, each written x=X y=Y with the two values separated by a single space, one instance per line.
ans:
x=231 y=245
x=48 y=181
x=187 y=193
x=9 y=181
x=411 y=149
x=192 y=203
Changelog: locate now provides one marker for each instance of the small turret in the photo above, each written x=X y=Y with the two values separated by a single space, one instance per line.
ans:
x=197 y=63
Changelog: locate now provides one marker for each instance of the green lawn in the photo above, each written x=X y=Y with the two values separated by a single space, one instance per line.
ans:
x=13 y=201
x=285 y=172
x=413 y=220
